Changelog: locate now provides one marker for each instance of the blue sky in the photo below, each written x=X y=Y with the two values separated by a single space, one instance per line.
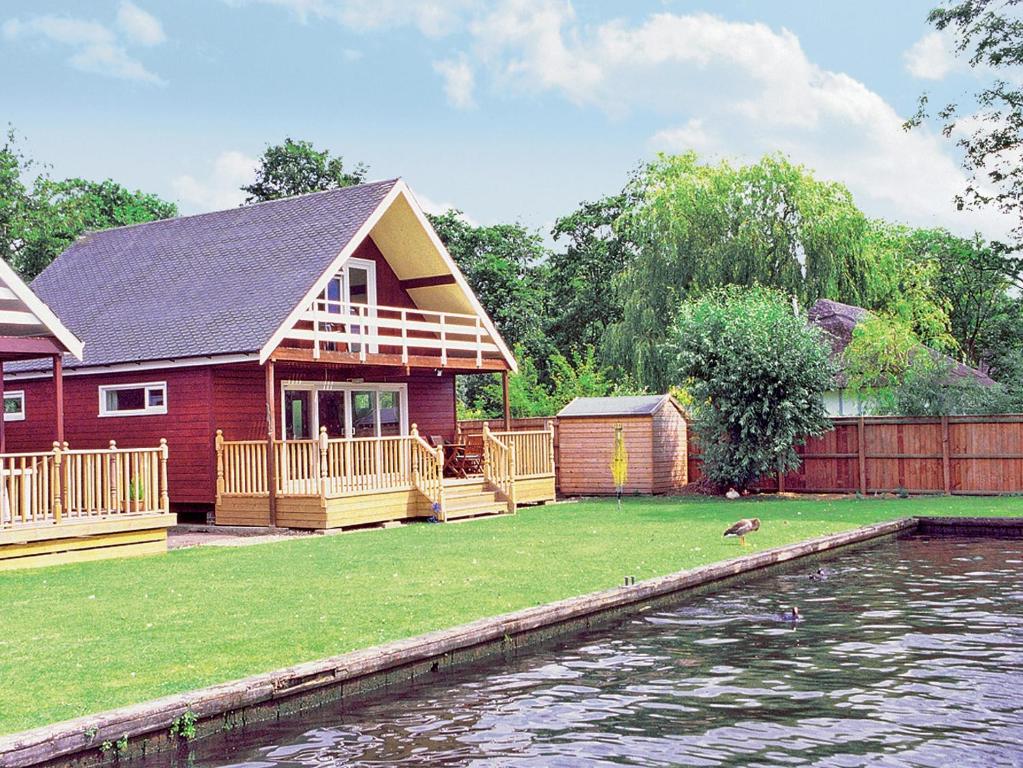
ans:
x=509 y=110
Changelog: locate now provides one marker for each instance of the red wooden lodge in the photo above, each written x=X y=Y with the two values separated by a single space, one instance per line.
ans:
x=299 y=356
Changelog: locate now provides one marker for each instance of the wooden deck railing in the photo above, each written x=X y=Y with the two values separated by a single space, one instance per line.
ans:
x=428 y=472
x=499 y=465
x=364 y=329
x=331 y=467
x=534 y=451
x=64 y=485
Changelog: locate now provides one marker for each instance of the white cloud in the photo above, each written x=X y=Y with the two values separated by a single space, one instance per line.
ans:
x=459 y=81
x=932 y=57
x=717 y=85
x=434 y=207
x=221 y=188
x=690 y=136
x=138 y=26
x=750 y=88
x=95 y=47
x=433 y=18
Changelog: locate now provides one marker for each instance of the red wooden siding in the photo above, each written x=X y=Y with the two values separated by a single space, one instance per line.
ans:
x=239 y=398
x=186 y=425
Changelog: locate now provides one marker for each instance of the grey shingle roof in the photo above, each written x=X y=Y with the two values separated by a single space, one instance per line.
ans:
x=640 y=405
x=214 y=283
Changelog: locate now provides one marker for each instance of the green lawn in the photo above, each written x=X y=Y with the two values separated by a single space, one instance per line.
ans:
x=83 y=638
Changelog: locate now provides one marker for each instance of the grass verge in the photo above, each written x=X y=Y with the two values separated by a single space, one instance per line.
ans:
x=83 y=638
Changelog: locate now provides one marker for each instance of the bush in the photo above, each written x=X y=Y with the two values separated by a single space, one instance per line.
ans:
x=928 y=388
x=756 y=372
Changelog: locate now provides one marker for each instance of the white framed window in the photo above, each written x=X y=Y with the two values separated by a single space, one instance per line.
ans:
x=14 y=406
x=346 y=409
x=145 y=399
x=352 y=292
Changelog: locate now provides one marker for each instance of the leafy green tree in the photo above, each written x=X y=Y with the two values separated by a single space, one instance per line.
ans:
x=904 y=280
x=696 y=226
x=877 y=358
x=756 y=372
x=38 y=223
x=582 y=296
x=297 y=167
x=503 y=264
x=988 y=128
x=530 y=395
x=975 y=280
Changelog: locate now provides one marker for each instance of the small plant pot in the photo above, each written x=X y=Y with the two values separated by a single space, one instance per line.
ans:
x=133 y=505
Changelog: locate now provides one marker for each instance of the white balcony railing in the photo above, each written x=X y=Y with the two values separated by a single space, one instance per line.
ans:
x=365 y=330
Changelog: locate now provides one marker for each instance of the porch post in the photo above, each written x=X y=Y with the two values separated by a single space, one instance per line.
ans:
x=507 y=404
x=58 y=387
x=3 y=417
x=271 y=434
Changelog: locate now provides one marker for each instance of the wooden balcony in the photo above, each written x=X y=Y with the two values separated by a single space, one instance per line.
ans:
x=341 y=482
x=72 y=505
x=333 y=331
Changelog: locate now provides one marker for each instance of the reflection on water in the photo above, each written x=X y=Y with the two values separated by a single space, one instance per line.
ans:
x=907 y=654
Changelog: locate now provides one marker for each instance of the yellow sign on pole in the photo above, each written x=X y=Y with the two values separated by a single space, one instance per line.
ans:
x=619 y=463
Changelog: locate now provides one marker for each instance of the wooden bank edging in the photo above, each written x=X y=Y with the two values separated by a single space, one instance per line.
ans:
x=85 y=736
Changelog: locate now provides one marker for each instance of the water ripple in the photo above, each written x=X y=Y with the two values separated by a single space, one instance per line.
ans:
x=908 y=654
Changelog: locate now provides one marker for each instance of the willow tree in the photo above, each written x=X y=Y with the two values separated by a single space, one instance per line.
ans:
x=697 y=226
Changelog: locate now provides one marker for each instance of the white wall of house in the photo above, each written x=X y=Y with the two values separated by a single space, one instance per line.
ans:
x=842 y=402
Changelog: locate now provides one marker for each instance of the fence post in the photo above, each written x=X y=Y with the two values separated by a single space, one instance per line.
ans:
x=511 y=476
x=58 y=482
x=413 y=434
x=550 y=447
x=219 y=445
x=861 y=455
x=65 y=477
x=323 y=463
x=113 y=464
x=486 y=451
x=164 y=493
x=946 y=468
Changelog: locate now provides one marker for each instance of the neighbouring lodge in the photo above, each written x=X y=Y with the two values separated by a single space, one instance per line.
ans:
x=298 y=356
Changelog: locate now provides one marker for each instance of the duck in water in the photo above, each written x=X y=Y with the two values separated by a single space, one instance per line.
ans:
x=821 y=574
x=792 y=614
x=743 y=528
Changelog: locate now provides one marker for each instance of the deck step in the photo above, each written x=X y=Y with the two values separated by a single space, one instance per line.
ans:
x=460 y=502
x=475 y=509
x=456 y=497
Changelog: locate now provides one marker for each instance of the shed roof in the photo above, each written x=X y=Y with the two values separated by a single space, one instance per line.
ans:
x=639 y=405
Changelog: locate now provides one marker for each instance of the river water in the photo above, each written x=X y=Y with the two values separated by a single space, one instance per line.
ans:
x=908 y=653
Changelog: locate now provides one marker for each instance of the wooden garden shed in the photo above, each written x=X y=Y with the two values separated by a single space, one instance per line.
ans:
x=655 y=438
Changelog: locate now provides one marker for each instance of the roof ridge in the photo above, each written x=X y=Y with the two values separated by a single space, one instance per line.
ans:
x=376 y=183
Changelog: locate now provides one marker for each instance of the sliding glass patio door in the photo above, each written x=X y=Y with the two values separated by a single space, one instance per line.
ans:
x=346 y=410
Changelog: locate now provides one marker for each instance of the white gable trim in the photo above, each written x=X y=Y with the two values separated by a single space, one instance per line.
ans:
x=459 y=277
x=400 y=189
x=18 y=290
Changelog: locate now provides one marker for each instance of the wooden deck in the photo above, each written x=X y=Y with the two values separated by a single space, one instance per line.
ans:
x=82 y=540
x=340 y=483
x=68 y=506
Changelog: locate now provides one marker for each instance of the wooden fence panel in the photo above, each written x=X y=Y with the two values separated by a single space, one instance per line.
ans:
x=957 y=454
